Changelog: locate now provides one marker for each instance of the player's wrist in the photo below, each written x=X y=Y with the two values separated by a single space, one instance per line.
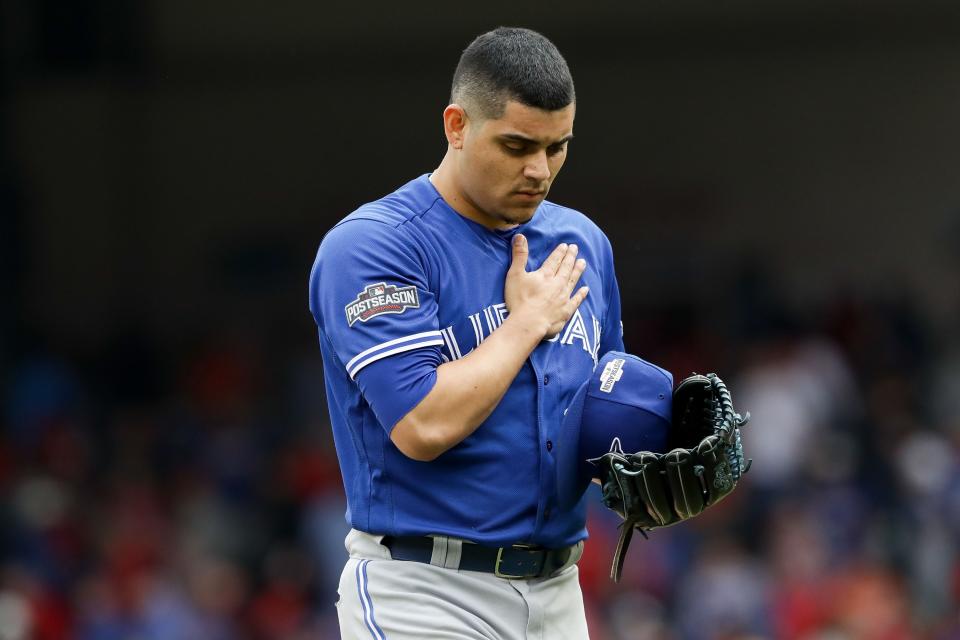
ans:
x=529 y=322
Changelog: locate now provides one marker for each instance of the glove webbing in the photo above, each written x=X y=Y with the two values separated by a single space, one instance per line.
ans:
x=728 y=427
x=727 y=421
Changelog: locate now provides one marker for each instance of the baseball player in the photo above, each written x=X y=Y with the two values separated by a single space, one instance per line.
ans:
x=457 y=318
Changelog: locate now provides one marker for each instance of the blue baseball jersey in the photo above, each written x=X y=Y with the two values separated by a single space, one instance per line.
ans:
x=401 y=286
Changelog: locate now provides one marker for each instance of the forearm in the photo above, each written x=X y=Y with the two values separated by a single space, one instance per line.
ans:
x=467 y=391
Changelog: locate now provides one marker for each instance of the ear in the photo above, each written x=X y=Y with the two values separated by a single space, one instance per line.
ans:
x=454 y=125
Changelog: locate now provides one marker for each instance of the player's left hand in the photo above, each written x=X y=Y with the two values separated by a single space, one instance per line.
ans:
x=705 y=463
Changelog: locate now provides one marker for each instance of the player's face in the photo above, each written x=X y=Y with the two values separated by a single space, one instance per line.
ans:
x=507 y=164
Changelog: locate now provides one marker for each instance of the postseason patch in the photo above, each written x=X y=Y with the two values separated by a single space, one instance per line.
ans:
x=611 y=374
x=378 y=299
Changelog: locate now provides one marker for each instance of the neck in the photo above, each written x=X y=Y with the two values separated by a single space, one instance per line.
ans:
x=444 y=179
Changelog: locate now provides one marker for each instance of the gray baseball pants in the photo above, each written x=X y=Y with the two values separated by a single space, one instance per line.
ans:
x=386 y=599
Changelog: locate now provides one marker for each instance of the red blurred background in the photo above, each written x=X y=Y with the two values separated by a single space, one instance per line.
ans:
x=780 y=186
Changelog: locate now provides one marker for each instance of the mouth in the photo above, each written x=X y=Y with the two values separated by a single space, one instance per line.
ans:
x=530 y=195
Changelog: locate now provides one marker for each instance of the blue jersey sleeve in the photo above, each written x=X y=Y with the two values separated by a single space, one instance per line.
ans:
x=396 y=385
x=611 y=335
x=370 y=296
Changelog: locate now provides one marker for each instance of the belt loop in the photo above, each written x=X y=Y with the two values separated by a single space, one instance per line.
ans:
x=454 y=551
x=576 y=552
x=439 y=556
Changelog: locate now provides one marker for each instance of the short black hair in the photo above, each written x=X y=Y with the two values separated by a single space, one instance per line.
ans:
x=515 y=64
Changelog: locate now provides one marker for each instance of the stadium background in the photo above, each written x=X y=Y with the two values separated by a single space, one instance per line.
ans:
x=780 y=184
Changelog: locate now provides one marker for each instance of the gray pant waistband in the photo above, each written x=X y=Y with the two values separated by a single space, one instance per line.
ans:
x=446 y=549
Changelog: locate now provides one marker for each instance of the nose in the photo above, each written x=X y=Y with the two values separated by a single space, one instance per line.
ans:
x=537 y=168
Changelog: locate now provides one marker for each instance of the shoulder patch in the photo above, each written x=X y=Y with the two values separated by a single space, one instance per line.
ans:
x=379 y=299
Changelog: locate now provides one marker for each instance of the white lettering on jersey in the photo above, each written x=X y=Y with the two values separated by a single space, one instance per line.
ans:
x=576 y=329
x=493 y=317
x=450 y=340
x=500 y=311
x=491 y=324
x=596 y=339
x=477 y=329
x=488 y=319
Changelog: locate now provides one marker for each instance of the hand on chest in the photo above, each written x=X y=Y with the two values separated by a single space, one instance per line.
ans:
x=471 y=307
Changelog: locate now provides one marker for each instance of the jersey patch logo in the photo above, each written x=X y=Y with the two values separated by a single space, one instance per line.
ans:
x=378 y=299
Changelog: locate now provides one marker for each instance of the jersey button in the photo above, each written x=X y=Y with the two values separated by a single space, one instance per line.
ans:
x=546 y=380
x=549 y=445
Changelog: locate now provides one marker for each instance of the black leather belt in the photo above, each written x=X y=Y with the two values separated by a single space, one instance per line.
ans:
x=515 y=562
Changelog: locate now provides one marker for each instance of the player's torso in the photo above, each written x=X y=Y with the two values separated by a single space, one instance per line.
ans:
x=496 y=486
x=470 y=266
x=515 y=445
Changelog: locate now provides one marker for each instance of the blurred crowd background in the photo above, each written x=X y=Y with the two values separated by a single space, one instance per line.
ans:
x=781 y=188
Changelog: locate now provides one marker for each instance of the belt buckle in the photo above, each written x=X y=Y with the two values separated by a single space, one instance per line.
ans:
x=496 y=567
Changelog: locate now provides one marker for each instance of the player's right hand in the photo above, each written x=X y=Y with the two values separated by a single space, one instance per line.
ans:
x=543 y=299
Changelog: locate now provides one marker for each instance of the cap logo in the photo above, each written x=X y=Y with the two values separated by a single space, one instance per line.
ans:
x=612 y=373
x=615 y=446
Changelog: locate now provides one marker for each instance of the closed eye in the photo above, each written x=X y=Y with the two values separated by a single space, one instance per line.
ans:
x=517 y=146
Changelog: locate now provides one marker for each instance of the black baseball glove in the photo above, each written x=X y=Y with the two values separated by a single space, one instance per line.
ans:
x=703 y=465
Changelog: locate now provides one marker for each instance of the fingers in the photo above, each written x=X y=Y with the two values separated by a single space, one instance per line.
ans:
x=567 y=264
x=578 y=298
x=575 y=274
x=552 y=263
x=520 y=253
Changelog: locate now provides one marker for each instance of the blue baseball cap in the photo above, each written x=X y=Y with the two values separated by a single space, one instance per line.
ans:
x=626 y=398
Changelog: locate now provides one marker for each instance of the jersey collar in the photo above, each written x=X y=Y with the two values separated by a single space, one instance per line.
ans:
x=502 y=235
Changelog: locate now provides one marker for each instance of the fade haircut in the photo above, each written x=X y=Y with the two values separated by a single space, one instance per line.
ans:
x=511 y=64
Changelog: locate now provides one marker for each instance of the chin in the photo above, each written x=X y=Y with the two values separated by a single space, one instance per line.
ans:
x=520 y=214
x=519 y=217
